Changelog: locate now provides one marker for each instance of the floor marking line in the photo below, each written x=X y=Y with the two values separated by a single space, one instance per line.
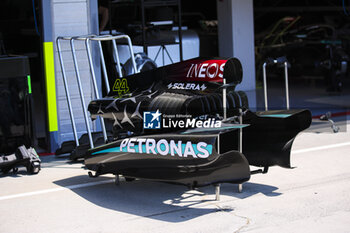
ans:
x=321 y=148
x=69 y=187
x=76 y=186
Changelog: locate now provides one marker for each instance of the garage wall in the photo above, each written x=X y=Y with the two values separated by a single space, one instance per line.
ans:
x=236 y=36
x=236 y=39
x=72 y=18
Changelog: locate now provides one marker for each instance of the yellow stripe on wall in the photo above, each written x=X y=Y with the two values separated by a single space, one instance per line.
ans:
x=50 y=86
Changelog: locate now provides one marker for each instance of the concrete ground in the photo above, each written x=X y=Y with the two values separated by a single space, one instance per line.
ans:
x=313 y=197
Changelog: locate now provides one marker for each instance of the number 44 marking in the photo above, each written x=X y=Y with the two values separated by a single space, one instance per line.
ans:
x=121 y=86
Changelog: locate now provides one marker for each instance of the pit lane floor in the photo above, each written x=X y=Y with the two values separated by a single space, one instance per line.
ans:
x=314 y=197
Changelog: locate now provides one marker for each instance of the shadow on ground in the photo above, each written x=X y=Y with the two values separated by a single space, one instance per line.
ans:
x=22 y=171
x=160 y=201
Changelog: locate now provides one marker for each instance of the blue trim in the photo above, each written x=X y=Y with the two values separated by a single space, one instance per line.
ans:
x=35 y=20
x=46 y=21
x=53 y=141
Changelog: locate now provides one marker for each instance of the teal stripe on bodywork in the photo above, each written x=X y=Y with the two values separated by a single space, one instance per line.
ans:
x=109 y=150
x=209 y=148
x=277 y=115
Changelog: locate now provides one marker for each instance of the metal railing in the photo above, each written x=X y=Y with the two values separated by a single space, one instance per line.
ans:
x=89 y=39
x=276 y=61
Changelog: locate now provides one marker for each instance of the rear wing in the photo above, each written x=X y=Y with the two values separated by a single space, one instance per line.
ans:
x=198 y=75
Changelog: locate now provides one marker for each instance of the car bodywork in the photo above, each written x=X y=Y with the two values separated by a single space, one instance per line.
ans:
x=312 y=50
x=219 y=136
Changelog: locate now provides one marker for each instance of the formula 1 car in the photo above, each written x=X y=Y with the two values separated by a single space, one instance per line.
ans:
x=184 y=123
x=312 y=50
